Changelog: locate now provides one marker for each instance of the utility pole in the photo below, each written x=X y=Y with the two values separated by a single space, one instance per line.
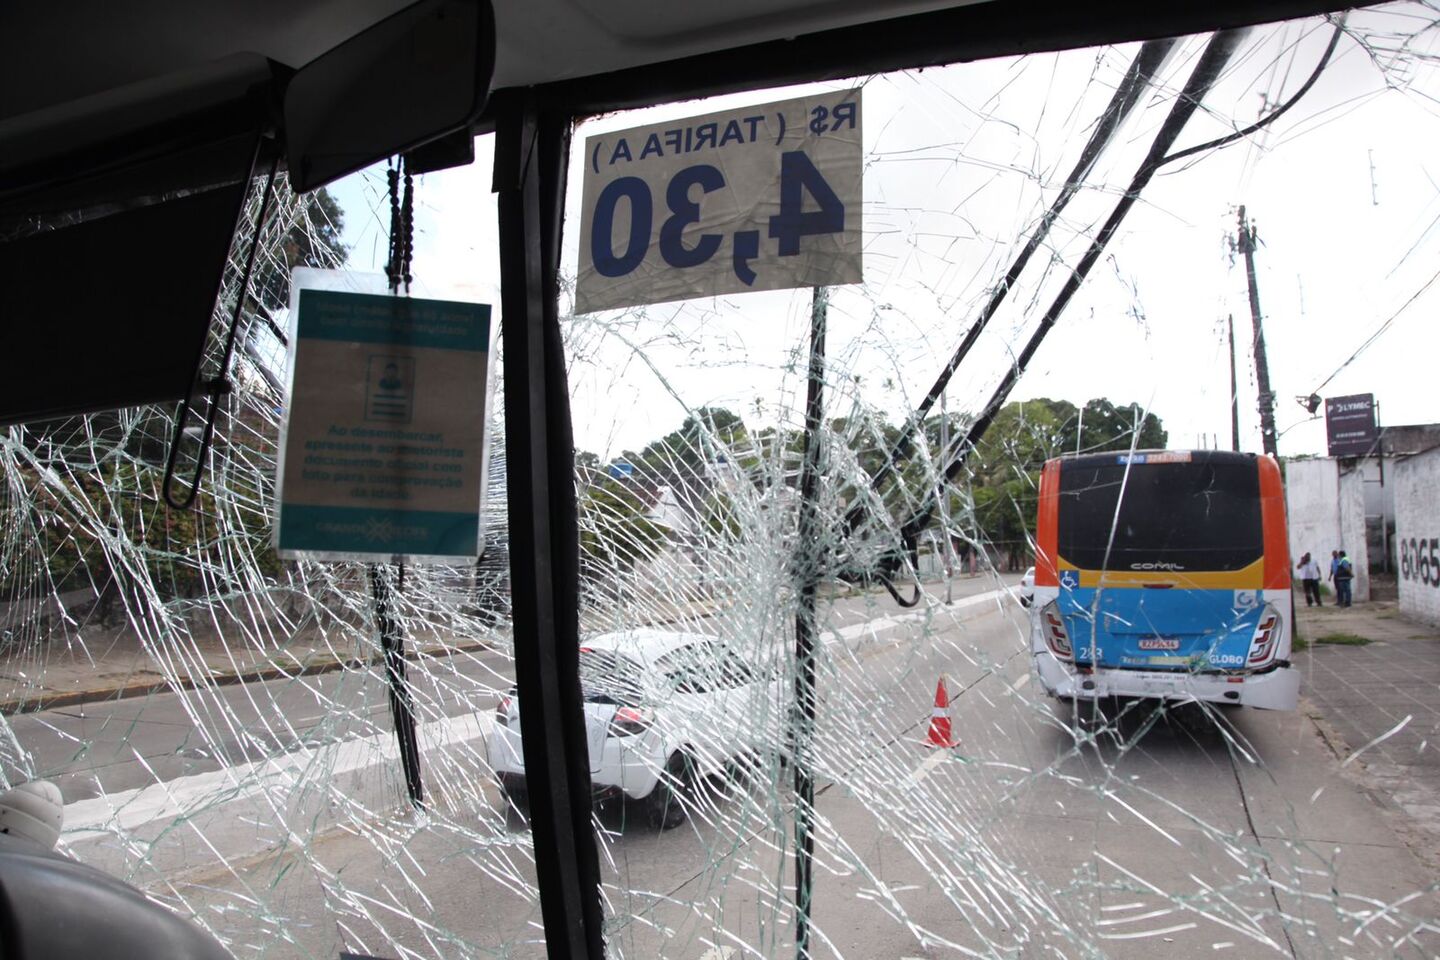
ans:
x=945 y=501
x=1262 y=368
x=1234 y=390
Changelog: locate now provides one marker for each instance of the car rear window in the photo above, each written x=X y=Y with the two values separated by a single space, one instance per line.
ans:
x=609 y=677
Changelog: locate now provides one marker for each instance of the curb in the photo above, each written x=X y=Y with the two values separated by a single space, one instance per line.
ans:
x=71 y=698
x=53 y=701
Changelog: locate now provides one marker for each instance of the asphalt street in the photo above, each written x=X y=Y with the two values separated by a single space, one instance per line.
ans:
x=1046 y=832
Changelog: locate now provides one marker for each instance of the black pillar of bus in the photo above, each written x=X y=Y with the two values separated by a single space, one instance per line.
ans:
x=532 y=146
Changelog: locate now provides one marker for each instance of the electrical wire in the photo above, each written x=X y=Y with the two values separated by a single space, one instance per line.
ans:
x=1275 y=114
x=1378 y=332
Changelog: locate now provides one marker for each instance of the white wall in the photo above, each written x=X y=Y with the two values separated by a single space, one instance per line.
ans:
x=1417 y=489
x=1353 y=489
x=1312 y=509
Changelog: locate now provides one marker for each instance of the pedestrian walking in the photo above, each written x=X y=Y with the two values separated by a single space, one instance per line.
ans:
x=1310 y=577
x=1344 y=573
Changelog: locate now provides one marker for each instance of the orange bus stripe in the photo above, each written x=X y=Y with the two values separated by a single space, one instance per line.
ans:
x=1047 y=527
x=1272 y=512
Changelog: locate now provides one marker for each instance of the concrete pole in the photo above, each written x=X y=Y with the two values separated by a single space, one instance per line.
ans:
x=1262 y=367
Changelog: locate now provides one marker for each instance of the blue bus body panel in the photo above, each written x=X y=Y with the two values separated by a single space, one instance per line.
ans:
x=1160 y=629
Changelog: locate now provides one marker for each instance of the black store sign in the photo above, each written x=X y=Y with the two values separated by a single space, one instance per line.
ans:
x=1350 y=425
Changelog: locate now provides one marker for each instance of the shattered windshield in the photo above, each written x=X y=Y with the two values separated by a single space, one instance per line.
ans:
x=813 y=421
x=607 y=677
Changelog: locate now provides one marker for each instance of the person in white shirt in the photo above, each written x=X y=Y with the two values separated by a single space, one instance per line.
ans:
x=1310 y=577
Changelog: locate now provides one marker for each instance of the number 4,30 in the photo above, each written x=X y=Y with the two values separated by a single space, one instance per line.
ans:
x=798 y=177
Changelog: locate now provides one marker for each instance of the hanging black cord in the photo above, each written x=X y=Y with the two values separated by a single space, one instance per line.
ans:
x=392 y=257
x=912 y=551
x=387 y=624
x=220 y=386
x=1273 y=115
x=407 y=227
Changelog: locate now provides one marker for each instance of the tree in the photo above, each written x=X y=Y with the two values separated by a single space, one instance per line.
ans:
x=313 y=241
x=680 y=458
x=1106 y=426
x=1005 y=465
x=615 y=529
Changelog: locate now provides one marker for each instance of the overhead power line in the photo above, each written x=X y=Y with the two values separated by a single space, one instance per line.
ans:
x=1379 y=331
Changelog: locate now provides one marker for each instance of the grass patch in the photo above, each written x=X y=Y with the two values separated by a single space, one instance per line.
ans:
x=1344 y=639
x=1297 y=642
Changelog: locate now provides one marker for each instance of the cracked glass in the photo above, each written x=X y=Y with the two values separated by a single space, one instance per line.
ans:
x=884 y=653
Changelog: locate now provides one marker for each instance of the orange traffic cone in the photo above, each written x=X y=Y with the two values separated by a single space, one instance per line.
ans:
x=940 y=719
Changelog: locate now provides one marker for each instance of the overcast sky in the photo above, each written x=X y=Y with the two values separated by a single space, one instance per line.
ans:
x=961 y=161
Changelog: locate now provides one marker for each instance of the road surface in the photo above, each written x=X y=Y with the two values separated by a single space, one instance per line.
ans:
x=1044 y=833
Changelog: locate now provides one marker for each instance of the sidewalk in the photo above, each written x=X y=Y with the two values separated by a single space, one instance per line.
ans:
x=114 y=664
x=1376 y=701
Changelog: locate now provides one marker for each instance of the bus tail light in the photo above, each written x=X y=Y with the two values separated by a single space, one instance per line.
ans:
x=1267 y=636
x=1056 y=636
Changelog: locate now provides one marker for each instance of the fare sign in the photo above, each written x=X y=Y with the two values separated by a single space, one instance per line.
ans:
x=760 y=198
x=384 y=449
x=1350 y=425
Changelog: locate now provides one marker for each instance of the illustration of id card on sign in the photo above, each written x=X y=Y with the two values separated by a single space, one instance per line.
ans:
x=384 y=450
x=756 y=198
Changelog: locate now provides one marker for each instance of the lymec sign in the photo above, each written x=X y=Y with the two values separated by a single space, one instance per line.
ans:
x=1350 y=425
x=760 y=198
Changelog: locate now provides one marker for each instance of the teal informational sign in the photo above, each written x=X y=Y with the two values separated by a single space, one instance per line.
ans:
x=384 y=451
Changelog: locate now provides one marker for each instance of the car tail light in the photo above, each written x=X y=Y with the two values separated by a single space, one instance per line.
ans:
x=502 y=711
x=629 y=722
x=1267 y=635
x=1056 y=636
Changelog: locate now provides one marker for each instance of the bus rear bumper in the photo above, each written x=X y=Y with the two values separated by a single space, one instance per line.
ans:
x=1279 y=689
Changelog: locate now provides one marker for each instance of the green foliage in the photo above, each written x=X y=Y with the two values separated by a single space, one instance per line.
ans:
x=1005 y=465
x=108 y=528
x=1004 y=470
x=314 y=241
x=678 y=459
x=1344 y=639
x=615 y=531
x=719 y=519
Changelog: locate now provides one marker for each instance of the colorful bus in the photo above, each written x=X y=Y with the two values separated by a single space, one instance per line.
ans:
x=1164 y=574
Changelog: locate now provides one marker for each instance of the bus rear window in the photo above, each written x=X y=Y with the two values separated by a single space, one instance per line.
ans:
x=1197 y=516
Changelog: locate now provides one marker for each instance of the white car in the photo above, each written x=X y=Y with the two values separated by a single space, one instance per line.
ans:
x=663 y=710
x=1026 y=592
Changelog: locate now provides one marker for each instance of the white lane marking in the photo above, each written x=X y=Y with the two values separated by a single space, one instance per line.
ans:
x=173 y=799
x=1142 y=934
x=1024 y=679
x=923 y=771
x=871 y=627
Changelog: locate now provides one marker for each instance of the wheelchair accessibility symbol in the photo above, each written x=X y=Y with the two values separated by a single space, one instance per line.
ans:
x=1070 y=579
